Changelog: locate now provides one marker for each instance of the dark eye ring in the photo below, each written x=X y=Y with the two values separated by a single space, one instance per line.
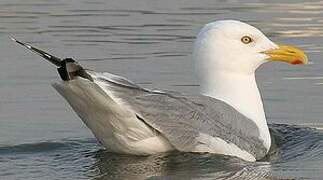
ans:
x=246 y=39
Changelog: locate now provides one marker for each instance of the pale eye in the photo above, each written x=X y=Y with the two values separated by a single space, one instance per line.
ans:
x=246 y=39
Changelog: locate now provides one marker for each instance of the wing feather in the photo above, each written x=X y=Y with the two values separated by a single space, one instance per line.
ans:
x=183 y=118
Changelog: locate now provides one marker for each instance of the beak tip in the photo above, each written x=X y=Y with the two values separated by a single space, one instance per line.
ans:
x=286 y=53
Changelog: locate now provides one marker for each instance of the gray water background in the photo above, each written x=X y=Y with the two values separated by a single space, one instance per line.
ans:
x=149 y=42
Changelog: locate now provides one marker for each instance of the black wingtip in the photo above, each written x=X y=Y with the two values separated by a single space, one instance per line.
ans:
x=54 y=60
x=68 y=69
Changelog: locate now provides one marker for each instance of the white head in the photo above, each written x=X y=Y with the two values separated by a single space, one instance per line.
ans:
x=227 y=54
x=236 y=47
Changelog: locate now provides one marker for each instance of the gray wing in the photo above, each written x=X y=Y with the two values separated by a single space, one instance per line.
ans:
x=181 y=118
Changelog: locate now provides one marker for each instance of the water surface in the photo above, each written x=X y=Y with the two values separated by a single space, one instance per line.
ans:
x=149 y=42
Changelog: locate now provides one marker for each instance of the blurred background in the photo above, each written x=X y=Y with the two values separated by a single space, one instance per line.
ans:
x=149 y=42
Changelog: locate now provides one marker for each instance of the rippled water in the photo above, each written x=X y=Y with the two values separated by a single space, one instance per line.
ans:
x=150 y=42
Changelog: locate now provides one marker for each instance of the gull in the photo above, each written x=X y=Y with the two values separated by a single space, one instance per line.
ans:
x=227 y=117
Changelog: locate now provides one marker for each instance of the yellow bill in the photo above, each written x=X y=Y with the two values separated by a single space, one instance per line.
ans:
x=288 y=54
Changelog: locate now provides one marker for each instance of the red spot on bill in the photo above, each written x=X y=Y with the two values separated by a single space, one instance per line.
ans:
x=297 y=62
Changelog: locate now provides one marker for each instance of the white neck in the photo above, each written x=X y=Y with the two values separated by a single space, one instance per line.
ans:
x=241 y=92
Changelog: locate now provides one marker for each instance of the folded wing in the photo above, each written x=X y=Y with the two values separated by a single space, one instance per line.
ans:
x=189 y=122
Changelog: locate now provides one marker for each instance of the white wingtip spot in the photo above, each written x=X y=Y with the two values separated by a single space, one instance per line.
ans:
x=12 y=38
x=49 y=56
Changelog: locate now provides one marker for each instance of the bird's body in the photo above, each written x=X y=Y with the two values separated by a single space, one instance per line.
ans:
x=227 y=118
x=129 y=119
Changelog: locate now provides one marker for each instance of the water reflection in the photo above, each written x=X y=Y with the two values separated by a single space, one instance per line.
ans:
x=292 y=146
x=178 y=166
x=296 y=153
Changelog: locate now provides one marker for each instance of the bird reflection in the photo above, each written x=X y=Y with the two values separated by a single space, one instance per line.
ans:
x=292 y=147
x=177 y=165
